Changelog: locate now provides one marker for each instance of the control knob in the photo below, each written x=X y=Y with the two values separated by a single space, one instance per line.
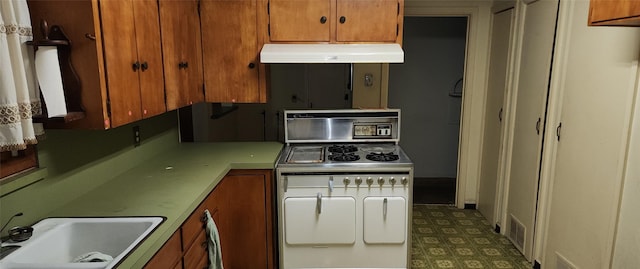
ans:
x=392 y=180
x=404 y=181
x=346 y=181
x=369 y=181
x=358 y=181
x=381 y=181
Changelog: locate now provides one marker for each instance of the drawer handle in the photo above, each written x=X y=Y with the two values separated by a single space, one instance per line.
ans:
x=204 y=218
x=319 y=203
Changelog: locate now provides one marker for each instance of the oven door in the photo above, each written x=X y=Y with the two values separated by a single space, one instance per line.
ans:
x=319 y=220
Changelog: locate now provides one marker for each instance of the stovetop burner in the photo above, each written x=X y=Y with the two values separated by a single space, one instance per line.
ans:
x=344 y=157
x=382 y=157
x=342 y=148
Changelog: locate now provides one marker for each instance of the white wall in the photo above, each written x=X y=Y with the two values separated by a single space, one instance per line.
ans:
x=434 y=61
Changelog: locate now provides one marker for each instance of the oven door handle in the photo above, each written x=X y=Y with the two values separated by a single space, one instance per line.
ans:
x=285 y=183
x=319 y=203
x=384 y=208
x=330 y=184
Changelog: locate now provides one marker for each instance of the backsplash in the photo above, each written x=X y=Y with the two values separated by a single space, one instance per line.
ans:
x=81 y=160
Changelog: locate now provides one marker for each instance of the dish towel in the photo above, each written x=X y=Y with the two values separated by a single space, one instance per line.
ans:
x=93 y=256
x=213 y=240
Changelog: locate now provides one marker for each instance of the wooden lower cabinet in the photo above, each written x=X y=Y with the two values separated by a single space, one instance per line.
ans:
x=169 y=256
x=242 y=207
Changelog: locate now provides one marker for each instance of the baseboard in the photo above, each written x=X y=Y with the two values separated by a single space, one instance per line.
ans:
x=536 y=265
x=469 y=206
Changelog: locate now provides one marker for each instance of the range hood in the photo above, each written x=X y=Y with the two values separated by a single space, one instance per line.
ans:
x=331 y=53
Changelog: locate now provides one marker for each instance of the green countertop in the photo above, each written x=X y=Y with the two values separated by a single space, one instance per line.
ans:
x=171 y=185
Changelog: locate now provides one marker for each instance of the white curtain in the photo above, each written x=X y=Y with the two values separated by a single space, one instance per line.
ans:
x=19 y=94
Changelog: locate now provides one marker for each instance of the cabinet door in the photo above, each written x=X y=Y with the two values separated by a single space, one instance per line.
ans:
x=149 y=56
x=385 y=220
x=320 y=220
x=181 y=48
x=244 y=229
x=295 y=20
x=231 y=49
x=367 y=21
x=120 y=56
x=614 y=12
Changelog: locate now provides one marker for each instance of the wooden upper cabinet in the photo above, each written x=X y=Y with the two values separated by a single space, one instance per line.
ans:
x=295 y=20
x=182 y=50
x=367 y=21
x=231 y=41
x=336 y=21
x=149 y=45
x=120 y=78
x=614 y=13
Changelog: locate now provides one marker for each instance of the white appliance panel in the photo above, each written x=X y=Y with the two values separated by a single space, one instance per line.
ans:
x=385 y=220
x=335 y=223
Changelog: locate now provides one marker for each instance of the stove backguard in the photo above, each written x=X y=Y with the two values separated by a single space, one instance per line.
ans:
x=342 y=126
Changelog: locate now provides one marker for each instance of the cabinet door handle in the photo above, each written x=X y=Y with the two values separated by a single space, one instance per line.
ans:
x=384 y=208
x=538 y=126
x=319 y=203
x=343 y=19
x=252 y=65
x=182 y=65
x=323 y=19
x=144 y=66
x=558 y=130
x=136 y=66
x=500 y=115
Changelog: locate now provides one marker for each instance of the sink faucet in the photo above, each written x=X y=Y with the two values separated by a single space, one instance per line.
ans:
x=6 y=250
x=16 y=234
x=9 y=221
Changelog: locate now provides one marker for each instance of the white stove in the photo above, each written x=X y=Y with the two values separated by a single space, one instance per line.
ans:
x=344 y=190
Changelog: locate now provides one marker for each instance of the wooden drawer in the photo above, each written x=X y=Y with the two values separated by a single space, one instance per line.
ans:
x=196 y=252
x=168 y=255
x=192 y=226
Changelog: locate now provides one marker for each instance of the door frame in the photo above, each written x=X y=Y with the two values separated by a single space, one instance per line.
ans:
x=474 y=86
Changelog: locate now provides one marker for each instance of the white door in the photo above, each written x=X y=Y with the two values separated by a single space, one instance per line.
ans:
x=530 y=109
x=385 y=220
x=320 y=220
x=596 y=79
x=488 y=198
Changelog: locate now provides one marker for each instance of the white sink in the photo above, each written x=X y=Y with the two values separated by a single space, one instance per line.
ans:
x=57 y=241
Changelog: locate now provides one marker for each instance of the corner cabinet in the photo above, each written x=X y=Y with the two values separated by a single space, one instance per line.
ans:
x=182 y=50
x=121 y=78
x=231 y=48
x=336 y=21
x=241 y=205
x=614 y=13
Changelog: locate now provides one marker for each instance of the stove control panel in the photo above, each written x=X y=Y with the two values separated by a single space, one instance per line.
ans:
x=382 y=181
x=368 y=130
